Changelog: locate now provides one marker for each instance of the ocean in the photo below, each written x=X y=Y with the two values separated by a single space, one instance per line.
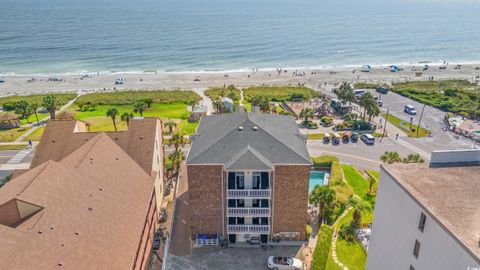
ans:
x=70 y=36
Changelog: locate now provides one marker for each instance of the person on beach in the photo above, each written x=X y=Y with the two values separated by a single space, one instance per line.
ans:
x=30 y=143
x=396 y=137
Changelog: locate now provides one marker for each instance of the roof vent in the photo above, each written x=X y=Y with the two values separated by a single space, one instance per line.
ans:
x=141 y=137
x=240 y=128
x=53 y=141
x=77 y=233
x=60 y=264
x=255 y=128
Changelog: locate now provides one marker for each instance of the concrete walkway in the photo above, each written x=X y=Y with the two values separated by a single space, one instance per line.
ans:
x=206 y=101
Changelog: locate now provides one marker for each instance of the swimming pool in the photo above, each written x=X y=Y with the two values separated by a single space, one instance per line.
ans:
x=317 y=178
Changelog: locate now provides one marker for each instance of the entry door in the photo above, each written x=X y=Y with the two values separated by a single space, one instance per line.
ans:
x=264 y=238
x=232 y=238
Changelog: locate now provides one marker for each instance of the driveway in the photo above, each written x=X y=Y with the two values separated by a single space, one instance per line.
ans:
x=217 y=258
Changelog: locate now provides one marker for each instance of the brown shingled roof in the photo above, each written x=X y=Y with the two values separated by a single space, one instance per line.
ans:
x=64 y=115
x=94 y=203
x=59 y=140
x=450 y=194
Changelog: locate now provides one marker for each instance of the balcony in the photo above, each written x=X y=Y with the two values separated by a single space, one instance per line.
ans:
x=248 y=212
x=249 y=193
x=265 y=229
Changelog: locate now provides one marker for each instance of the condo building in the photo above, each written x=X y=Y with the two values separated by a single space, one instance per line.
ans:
x=89 y=201
x=427 y=216
x=248 y=176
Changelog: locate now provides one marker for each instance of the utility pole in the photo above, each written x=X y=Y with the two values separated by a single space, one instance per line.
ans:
x=420 y=120
x=385 y=126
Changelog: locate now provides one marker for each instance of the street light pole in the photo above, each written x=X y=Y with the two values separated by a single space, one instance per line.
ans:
x=420 y=120
x=385 y=126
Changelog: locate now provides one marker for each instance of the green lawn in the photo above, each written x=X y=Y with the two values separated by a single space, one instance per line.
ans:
x=247 y=105
x=351 y=254
x=130 y=97
x=99 y=122
x=36 y=135
x=315 y=136
x=360 y=187
x=10 y=135
x=12 y=147
x=407 y=128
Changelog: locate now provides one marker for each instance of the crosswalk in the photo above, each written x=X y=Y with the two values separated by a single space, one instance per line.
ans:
x=20 y=156
x=415 y=149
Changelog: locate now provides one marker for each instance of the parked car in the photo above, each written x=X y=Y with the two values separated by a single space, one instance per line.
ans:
x=368 y=139
x=326 y=138
x=380 y=103
x=359 y=93
x=336 y=138
x=284 y=263
x=346 y=136
x=410 y=109
x=163 y=214
x=381 y=90
x=354 y=137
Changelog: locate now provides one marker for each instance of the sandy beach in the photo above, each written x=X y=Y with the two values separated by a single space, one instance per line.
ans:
x=315 y=78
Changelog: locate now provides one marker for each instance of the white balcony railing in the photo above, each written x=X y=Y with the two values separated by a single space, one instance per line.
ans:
x=248 y=212
x=248 y=228
x=248 y=193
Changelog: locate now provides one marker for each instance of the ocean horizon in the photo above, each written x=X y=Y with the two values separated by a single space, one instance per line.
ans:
x=75 y=37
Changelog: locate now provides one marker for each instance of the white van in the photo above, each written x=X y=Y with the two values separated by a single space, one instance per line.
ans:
x=368 y=139
x=410 y=110
x=359 y=93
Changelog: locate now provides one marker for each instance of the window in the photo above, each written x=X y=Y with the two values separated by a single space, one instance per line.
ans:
x=232 y=203
x=416 y=249
x=240 y=203
x=256 y=180
x=412 y=268
x=255 y=221
x=255 y=203
x=264 y=203
x=421 y=224
x=239 y=180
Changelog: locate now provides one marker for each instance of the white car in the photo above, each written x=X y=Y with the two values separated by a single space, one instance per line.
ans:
x=284 y=263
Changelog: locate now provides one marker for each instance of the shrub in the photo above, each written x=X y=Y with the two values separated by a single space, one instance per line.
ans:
x=324 y=242
x=8 y=103
x=308 y=231
x=217 y=92
x=326 y=121
x=131 y=97
x=347 y=231
x=279 y=93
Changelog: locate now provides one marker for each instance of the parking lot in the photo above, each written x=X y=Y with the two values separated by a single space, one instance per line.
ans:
x=217 y=258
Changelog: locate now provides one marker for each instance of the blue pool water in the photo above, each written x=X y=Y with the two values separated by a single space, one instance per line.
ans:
x=317 y=178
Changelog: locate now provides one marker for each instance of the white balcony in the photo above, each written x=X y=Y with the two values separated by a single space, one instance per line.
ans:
x=249 y=193
x=265 y=229
x=248 y=212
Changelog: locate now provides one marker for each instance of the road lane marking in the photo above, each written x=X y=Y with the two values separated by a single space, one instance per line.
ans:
x=352 y=156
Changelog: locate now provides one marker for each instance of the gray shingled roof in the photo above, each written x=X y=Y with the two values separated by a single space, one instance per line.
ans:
x=277 y=140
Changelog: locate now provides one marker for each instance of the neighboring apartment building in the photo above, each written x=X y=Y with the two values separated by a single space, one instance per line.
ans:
x=142 y=142
x=427 y=216
x=248 y=176
x=94 y=208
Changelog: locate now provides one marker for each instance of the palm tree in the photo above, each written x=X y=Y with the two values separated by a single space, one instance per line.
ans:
x=372 y=110
x=323 y=196
x=390 y=157
x=306 y=113
x=34 y=106
x=192 y=104
x=170 y=125
x=126 y=117
x=51 y=103
x=148 y=102
x=177 y=157
x=177 y=139
x=413 y=158
x=264 y=105
x=358 y=207
x=139 y=107
x=112 y=113
x=218 y=105
x=345 y=92
x=24 y=109
x=365 y=101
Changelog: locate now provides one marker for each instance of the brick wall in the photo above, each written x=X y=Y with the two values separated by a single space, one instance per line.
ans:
x=290 y=198
x=205 y=198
